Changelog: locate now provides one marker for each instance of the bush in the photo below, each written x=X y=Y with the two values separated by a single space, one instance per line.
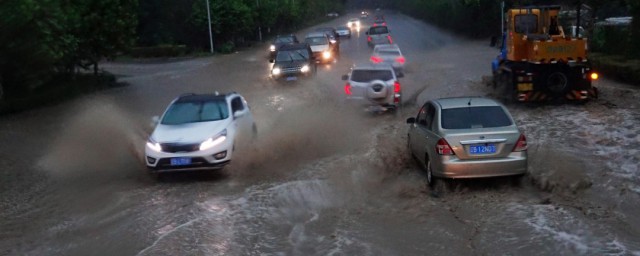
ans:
x=227 y=47
x=616 y=67
x=158 y=51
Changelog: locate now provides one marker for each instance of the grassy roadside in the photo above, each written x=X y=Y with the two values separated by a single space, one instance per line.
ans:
x=59 y=90
x=617 y=67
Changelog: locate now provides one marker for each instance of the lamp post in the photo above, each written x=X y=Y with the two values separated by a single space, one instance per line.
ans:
x=210 y=33
x=259 y=27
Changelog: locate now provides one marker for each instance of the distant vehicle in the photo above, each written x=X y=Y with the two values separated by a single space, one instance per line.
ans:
x=378 y=35
x=388 y=54
x=293 y=61
x=364 y=14
x=374 y=87
x=466 y=138
x=334 y=38
x=353 y=23
x=379 y=22
x=539 y=61
x=323 y=50
x=279 y=41
x=333 y=14
x=344 y=31
x=199 y=132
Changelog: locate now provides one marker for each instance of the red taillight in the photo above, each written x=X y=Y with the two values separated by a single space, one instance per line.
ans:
x=375 y=25
x=400 y=60
x=384 y=24
x=390 y=40
x=376 y=59
x=443 y=148
x=521 y=145
x=396 y=87
x=347 y=89
x=369 y=38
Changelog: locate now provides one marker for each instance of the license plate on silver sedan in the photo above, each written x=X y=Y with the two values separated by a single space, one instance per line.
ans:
x=482 y=149
x=179 y=161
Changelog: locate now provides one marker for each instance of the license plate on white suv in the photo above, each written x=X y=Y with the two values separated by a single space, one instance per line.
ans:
x=180 y=161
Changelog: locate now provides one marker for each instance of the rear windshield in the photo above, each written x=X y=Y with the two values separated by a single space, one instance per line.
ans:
x=196 y=111
x=389 y=52
x=378 y=30
x=370 y=75
x=285 y=40
x=316 y=40
x=474 y=117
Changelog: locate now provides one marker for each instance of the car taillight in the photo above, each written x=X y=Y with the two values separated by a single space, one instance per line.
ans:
x=396 y=87
x=347 y=89
x=376 y=59
x=521 y=145
x=390 y=40
x=400 y=60
x=369 y=38
x=443 y=148
x=384 y=24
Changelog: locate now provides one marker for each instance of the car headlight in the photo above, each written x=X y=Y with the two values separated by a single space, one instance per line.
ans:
x=304 y=69
x=272 y=48
x=326 y=55
x=276 y=71
x=155 y=146
x=214 y=141
x=357 y=23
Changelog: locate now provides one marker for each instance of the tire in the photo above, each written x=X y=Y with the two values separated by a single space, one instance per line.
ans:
x=431 y=180
x=558 y=83
x=377 y=90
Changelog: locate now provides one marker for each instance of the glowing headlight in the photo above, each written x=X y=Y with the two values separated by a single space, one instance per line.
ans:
x=155 y=146
x=326 y=55
x=214 y=141
x=304 y=69
x=272 y=48
x=275 y=71
x=357 y=23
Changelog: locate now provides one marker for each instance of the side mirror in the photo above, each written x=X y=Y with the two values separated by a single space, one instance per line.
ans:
x=345 y=77
x=154 y=121
x=238 y=114
x=272 y=60
x=400 y=75
x=411 y=120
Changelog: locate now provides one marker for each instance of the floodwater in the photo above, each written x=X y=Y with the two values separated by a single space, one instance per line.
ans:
x=322 y=178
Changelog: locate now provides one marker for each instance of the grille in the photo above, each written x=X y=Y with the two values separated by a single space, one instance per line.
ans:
x=175 y=148
x=291 y=69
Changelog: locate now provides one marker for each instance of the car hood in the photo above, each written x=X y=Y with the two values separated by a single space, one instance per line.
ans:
x=188 y=133
x=289 y=64
x=319 y=48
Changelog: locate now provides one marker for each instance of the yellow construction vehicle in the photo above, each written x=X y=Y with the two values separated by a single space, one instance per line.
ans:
x=539 y=62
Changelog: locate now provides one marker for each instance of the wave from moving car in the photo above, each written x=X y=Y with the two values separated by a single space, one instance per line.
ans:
x=199 y=132
x=374 y=87
x=468 y=137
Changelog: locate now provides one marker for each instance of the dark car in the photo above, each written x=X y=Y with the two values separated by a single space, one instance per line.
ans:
x=279 y=41
x=293 y=61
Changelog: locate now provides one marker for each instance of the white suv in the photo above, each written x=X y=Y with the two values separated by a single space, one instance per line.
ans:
x=375 y=87
x=198 y=132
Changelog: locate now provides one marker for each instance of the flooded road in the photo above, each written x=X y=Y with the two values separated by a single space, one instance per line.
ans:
x=322 y=178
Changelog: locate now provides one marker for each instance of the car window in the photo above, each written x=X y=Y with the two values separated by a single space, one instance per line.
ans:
x=431 y=113
x=294 y=55
x=378 y=30
x=474 y=117
x=236 y=104
x=526 y=23
x=196 y=111
x=389 y=52
x=316 y=40
x=422 y=117
x=363 y=75
x=284 y=40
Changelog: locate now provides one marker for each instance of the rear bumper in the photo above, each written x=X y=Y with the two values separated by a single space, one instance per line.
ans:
x=452 y=167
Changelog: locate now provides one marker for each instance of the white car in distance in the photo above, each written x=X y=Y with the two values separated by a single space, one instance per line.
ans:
x=199 y=132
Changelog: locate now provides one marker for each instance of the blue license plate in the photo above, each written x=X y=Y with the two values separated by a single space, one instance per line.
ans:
x=482 y=149
x=292 y=78
x=179 y=161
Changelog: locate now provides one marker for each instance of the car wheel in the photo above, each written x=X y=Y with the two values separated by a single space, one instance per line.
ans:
x=431 y=180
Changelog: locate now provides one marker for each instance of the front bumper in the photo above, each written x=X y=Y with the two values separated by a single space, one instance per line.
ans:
x=197 y=160
x=453 y=167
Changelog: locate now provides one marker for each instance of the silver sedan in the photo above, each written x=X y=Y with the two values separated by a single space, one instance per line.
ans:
x=469 y=137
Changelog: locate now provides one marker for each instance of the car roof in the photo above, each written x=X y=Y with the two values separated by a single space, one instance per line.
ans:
x=386 y=47
x=287 y=35
x=200 y=97
x=294 y=47
x=460 y=102
x=343 y=28
x=316 y=34
x=370 y=66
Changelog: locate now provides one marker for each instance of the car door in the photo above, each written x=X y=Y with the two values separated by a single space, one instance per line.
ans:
x=424 y=135
x=417 y=133
x=242 y=119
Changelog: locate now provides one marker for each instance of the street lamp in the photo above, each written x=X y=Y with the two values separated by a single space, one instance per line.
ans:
x=210 y=33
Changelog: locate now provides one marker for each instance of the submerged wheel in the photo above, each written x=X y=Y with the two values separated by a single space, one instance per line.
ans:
x=557 y=82
x=431 y=181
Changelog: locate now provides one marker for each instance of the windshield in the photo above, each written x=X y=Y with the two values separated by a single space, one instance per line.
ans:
x=196 y=111
x=284 y=40
x=292 y=55
x=370 y=75
x=526 y=23
x=389 y=52
x=316 y=40
x=474 y=117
